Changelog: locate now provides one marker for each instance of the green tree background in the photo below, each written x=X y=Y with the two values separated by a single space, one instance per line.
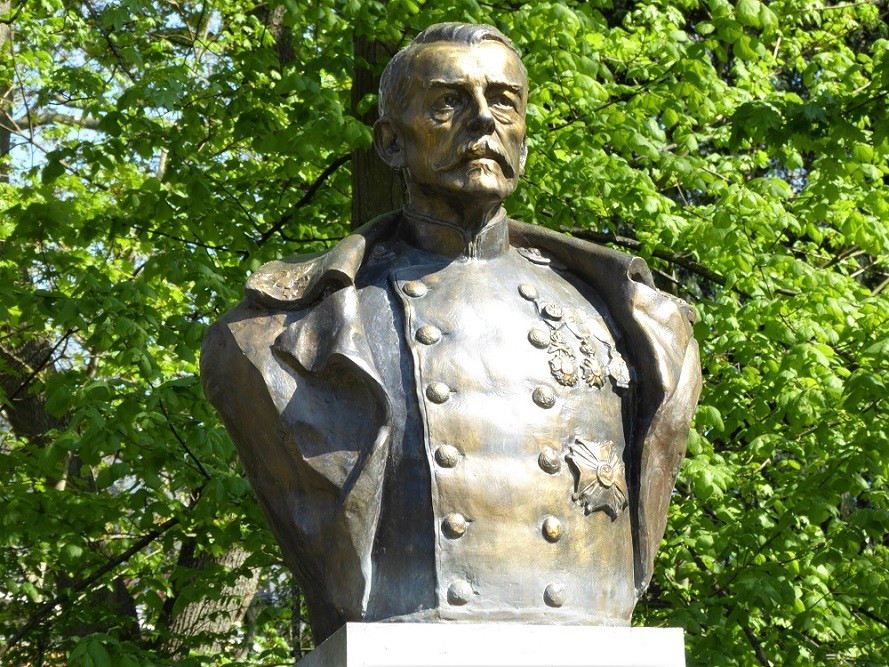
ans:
x=154 y=152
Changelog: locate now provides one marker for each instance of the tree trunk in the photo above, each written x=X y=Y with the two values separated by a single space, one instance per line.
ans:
x=23 y=360
x=376 y=188
x=214 y=617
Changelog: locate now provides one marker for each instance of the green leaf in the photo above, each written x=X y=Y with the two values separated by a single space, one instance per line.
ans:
x=59 y=401
x=52 y=169
x=749 y=12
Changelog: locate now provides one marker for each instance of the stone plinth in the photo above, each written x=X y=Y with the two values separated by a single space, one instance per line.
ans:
x=497 y=645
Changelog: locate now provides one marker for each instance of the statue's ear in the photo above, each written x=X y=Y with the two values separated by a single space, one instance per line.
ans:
x=388 y=143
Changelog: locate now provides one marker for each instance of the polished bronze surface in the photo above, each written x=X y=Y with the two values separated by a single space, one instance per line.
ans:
x=454 y=416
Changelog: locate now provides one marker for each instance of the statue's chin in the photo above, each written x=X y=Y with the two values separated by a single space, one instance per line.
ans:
x=478 y=184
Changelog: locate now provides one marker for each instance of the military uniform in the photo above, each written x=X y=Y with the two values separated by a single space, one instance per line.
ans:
x=444 y=426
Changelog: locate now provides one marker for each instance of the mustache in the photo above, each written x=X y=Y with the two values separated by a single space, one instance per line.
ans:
x=482 y=149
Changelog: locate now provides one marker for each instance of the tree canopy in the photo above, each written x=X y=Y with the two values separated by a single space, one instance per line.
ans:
x=155 y=152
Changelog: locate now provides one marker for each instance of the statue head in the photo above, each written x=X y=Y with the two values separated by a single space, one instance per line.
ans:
x=452 y=115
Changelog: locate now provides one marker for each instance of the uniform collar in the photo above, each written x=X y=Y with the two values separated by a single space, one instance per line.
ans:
x=445 y=238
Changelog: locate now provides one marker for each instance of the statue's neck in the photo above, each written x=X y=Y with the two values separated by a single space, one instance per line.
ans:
x=444 y=237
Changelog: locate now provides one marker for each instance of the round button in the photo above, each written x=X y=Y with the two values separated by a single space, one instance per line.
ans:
x=606 y=475
x=552 y=311
x=414 y=288
x=447 y=456
x=528 y=291
x=552 y=529
x=428 y=334
x=539 y=337
x=438 y=392
x=544 y=397
x=549 y=461
x=459 y=592
x=454 y=525
x=554 y=595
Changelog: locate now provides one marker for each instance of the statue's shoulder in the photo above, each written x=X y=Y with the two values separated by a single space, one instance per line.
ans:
x=241 y=341
x=298 y=281
x=575 y=252
x=616 y=275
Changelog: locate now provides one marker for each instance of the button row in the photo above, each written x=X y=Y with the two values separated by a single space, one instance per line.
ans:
x=460 y=592
x=543 y=396
x=455 y=524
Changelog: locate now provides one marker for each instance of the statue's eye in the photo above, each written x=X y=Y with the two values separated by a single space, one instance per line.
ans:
x=445 y=105
x=503 y=102
x=449 y=101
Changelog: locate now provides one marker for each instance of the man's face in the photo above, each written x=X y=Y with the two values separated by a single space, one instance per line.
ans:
x=462 y=132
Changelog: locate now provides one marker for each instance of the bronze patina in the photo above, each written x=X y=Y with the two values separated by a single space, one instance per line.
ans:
x=451 y=415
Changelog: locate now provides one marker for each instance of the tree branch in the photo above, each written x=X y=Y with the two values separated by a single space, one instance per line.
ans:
x=52 y=118
x=756 y=644
x=305 y=199
x=14 y=15
x=40 y=365
x=198 y=244
x=182 y=442
x=634 y=244
x=106 y=35
x=64 y=598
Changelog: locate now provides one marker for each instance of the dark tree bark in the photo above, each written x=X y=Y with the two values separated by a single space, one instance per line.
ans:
x=213 y=617
x=21 y=361
x=376 y=188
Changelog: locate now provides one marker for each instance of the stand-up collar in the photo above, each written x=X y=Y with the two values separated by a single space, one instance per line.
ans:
x=450 y=240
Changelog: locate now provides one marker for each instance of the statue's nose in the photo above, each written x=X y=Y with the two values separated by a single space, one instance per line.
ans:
x=482 y=120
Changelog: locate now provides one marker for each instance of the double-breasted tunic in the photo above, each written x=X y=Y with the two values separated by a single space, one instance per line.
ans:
x=452 y=426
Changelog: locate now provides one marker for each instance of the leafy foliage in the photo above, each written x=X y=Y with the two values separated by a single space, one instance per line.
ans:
x=163 y=150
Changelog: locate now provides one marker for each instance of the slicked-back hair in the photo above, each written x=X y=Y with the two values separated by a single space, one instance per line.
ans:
x=396 y=77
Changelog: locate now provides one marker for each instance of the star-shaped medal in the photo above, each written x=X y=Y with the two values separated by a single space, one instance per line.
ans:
x=601 y=484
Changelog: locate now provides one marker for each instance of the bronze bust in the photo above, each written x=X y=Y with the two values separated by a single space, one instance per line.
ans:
x=454 y=416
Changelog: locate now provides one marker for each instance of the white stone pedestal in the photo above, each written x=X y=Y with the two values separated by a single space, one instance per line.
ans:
x=497 y=645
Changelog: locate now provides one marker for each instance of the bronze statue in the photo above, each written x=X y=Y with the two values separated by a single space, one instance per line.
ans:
x=454 y=416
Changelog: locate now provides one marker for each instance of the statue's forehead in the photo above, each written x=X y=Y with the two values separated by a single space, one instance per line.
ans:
x=442 y=63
